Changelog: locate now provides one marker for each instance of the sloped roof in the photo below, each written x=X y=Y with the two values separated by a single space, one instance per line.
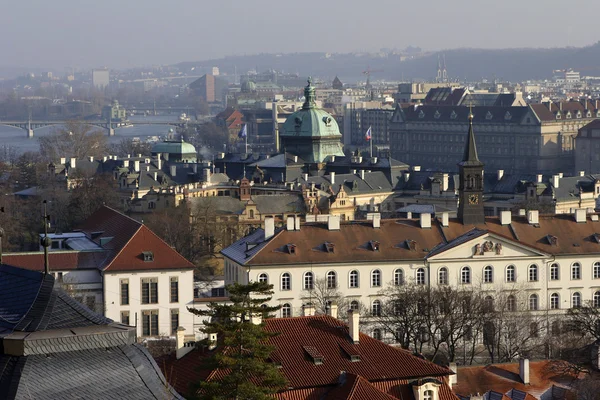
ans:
x=55 y=348
x=124 y=240
x=355 y=387
x=57 y=260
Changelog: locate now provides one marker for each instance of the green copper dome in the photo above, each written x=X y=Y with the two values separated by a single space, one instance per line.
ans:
x=311 y=133
x=175 y=150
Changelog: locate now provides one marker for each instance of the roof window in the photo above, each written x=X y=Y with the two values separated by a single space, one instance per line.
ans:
x=374 y=245
x=552 y=240
x=314 y=354
x=596 y=237
x=148 y=256
x=329 y=247
x=410 y=244
x=291 y=248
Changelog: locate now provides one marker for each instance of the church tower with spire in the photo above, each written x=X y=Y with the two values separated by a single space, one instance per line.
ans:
x=470 y=191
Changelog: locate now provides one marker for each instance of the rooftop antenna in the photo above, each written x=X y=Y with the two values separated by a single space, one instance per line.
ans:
x=1 y=235
x=46 y=242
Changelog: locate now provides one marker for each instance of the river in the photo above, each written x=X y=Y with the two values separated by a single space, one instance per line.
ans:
x=17 y=138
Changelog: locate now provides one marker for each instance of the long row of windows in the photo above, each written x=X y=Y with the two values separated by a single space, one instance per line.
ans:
x=150 y=290
x=150 y=326
x=331 y=279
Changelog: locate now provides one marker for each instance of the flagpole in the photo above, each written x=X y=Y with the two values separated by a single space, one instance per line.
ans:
x=371 y=143
x=246 y=139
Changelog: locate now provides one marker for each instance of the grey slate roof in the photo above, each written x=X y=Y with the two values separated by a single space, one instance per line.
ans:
x=279 y=204
x=247 y=247
x=55 y=348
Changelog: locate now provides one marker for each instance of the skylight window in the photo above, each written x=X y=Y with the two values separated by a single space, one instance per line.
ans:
x=148 y=256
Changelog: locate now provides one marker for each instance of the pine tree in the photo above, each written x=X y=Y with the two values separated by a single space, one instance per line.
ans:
x=243 y=350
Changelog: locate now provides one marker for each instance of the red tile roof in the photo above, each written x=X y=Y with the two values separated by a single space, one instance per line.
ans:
x=57 y=260
x=357 y=388
x=505 y=377
x=125 y=239
x=379 y=362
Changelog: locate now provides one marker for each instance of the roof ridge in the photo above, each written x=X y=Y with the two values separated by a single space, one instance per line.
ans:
x=122 y=248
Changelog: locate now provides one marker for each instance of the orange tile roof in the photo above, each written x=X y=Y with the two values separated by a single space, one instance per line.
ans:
x=388 y=369
x=505 y=377
x=57 y=260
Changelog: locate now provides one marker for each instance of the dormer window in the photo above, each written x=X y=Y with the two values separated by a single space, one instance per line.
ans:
x=453 y=115
x=421 y=114
x=558 y=116
x=568 y=116
x=596 y=237
x=374 y=245
x=552 y=240
x=488 y=115
x=291 y=248
x=148 y=256
x=314 y=354
x=426 y=389
x=410 y=244
x=588 y=114
x=329 y=247
x=578 y=114
x=507 y=116
x=437 y=114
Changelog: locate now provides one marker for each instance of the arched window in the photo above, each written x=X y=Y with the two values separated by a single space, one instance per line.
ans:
x=331 y=280
x=286 y=310
x=511 y=275
x=533 y=273
x=399 y=277
x=511 y=303
x=251 y=214
x=420 y=276
x=428 y=395
x=263 y=278
x=576 y=271
x=309 y=281
x=377 y=334
x=576 y=300
x=489 y=304
x=376 y=278
x=376 y=308
x=443 y=276
x=489 y=331
x=534 y=329
x=554 y=272
x=286 y=281
x=353 y=279
x=554 y=301
x=555 y=328
x=488 y=274
x=354 y=305
x=597 y=270
x=465 y=275
x=533 y=302
x=596 y=300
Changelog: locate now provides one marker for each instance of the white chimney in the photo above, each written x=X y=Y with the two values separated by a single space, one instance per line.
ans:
x=524 y=370
x=181 y=349
x=63 y=160
x=500 y=174
x=91 y=158
x=362 y=174
x=425 y=220
x=445 y=219
x=332 y=178
x=376 y=220
x=306 y=177
x=505 y=217
x=206 y=175
x=533 y=217
x=308 y=310
x=555 y=180
x=104 y=159
x=333 y=223
x=297 y=222
x=155 y=175
x=374 y=160
x=353 y=321
x=173 y=170
x=540 y=178
x=581 y=173
x=561 y=175
x=269 y=227
x=290 y=223
x=159 y=162
x=126 y=163
x=445 y=179
x=580 y=215
x=139 y=155
x=333 y=310
x=417 y=168
x=195 y=168
x=360 y=159
x=295 y=158
x=73 y=162
x=332 y=158
x=212 y=338
x=136 y=165
x=522 y=212
x=408 y=215
x=453 y=379
x=128 y=155
x=406 y=176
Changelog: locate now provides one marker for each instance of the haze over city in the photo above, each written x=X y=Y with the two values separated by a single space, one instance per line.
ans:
x=65 y=33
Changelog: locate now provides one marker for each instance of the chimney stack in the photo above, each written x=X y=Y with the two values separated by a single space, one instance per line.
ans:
x=581 y=173
x=73 y=162
x=353 y=321
x=332 y=158
x=333 y=223
x=181 y=349
x=159 y=162
x=445 y=180
x=362 y=174
x=505 y=217
x=406 y=176
x=195 y=168
x=173 y=170
x=305 y=176
x=136 y=165
x=126 y=163
x=290 y=223
x=269 y=228
x=425 y=220
x=555 y=181
x=533 y=217
x=256 y=318
x=332 y=178
x=453 y=379
x=376 y=220
x=333 y=310
x=417 y=168
x=297 y=222
x=206 y=175
x=500 y=174
x=540 y=178
x=445 y=219
x=308 y=310
x=580 y=215
x=524 y=370
x=63 y=160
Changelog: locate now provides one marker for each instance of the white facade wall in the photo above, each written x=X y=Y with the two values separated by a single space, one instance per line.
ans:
x=113 y=306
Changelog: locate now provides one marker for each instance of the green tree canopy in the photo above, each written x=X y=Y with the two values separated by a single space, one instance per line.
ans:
x=243 y=350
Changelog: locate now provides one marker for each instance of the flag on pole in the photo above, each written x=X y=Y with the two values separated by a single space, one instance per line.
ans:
x=368 y=134
x=243 y=132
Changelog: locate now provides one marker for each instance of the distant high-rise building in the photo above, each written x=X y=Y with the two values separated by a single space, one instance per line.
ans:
x=100 y=78
x=215 y=71
x=209 y=88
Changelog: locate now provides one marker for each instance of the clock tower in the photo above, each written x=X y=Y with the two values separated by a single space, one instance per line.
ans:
x=470 y=191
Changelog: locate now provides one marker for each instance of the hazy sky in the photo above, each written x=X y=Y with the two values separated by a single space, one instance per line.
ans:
x=124 y=33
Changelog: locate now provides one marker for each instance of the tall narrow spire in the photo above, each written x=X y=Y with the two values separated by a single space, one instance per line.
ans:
x=470 y=154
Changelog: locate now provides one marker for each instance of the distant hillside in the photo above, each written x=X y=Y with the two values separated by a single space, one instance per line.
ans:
x=470 y=64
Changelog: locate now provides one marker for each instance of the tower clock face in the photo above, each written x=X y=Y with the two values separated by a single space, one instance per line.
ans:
x=473 y=199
